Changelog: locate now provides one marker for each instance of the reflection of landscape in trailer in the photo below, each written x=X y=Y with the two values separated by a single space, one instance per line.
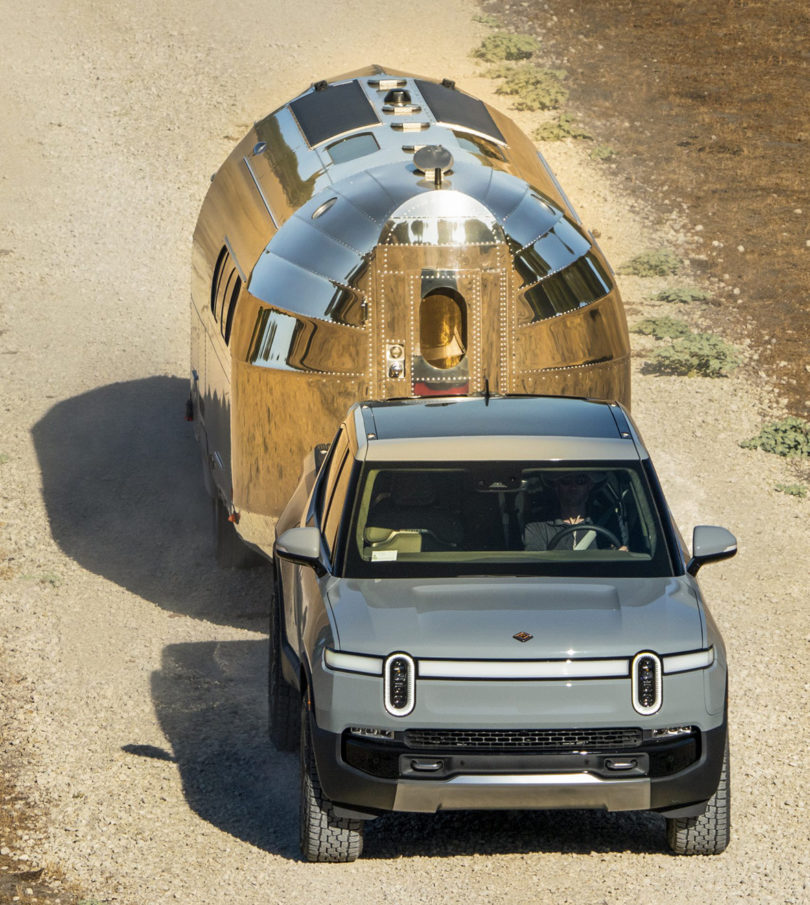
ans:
x=383 y=236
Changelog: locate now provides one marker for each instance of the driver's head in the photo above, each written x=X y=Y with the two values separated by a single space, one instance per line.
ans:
x=573 y=485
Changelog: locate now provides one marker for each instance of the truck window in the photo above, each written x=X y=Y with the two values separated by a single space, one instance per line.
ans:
x=337 y=503
x=326 y=484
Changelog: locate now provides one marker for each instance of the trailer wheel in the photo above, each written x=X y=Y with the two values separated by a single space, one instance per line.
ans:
x=323 y=836
x=284 y=711
x=230 y=551
x=709 y=833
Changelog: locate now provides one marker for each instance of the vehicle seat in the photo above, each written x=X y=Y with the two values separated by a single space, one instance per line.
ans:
x=414 y=505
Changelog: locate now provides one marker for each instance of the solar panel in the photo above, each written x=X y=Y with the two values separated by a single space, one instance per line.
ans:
x=455 y=108
x=332 y=111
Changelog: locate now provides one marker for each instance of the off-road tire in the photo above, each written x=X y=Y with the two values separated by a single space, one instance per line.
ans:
x=230 y=551
x=283 y=704
x=709 y=833
x=323 y=836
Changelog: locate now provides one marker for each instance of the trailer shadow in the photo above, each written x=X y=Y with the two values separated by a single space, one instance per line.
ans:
x=210 y=699
x=123 y=489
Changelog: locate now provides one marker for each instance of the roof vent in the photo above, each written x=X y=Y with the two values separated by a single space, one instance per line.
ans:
x=434 y=161
x=399 y=97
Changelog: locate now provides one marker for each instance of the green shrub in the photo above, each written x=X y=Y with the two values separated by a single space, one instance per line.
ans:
x=535 y=88
x=665 y=327
x=682 y=294
x=694 y=355
x=789 y=437
x=659 y=263
x=488 y=20
x=603 y=152
x=563 y=127
x=798 y=490
x=505 y=46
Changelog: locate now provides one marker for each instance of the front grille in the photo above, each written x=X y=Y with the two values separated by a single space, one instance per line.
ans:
x=523 y=739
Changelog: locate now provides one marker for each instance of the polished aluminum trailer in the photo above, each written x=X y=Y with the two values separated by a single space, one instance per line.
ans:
x=379 y=236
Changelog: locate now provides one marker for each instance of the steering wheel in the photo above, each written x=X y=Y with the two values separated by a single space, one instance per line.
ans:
x=582 y=526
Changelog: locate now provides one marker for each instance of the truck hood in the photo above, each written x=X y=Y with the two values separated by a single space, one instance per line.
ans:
x=475 y=619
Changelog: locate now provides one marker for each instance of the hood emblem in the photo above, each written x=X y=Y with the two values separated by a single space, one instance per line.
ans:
x=523 y=636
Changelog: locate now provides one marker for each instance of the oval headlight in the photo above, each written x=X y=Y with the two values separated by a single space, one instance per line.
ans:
x=399 y=684
x=645 y=677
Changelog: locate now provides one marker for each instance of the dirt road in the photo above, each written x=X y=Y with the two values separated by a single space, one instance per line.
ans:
x=133 y=693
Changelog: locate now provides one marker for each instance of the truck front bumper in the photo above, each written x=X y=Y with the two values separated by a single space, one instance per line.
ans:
x=365 y=778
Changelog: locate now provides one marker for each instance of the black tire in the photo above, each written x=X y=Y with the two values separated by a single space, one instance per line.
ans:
x=323 y=836
x=709 y=833
x=230 y=551
x=284 y=708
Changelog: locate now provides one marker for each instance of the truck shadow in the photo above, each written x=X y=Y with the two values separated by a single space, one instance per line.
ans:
x=451 y=833
x=210 y=699
x=122 y=484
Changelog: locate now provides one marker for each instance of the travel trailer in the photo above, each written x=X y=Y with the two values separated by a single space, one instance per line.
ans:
x=381 y=236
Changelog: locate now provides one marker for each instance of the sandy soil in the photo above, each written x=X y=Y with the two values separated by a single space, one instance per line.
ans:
x=133 y=693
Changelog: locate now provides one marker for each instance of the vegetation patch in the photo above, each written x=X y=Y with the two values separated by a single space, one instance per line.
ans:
x=665 y=327
x=3 y=458
x=563 y=127
x=505 y=46
x=660 y=262
x=799 y=490
x=488 y=20
x=603 y=152
x=682 y=295
x=47 y=579
x=789 y=437
x=534 y=87
x=694 y=355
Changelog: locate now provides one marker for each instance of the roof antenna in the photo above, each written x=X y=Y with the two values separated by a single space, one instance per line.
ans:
x=486 y=390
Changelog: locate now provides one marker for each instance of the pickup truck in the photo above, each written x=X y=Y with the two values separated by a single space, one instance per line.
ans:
x=485 y=603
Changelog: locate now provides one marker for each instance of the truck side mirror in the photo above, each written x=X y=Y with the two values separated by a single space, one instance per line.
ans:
x=710 y=544
x=302 y=546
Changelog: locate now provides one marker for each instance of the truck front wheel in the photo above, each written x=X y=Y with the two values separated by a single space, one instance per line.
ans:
x=709 y=833
x=324 y=837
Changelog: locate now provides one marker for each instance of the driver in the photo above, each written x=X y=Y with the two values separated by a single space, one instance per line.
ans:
x=571 y=490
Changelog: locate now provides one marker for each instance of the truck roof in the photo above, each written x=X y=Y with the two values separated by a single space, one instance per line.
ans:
x=503 y=427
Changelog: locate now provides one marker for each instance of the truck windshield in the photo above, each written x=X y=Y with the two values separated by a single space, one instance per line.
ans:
x=521 y=518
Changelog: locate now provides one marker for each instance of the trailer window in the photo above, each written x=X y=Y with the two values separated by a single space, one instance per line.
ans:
x=219 y=270
x=225 y=288
x=443 y=328
x=227 y=321
x=583 y=282
x=353 y=147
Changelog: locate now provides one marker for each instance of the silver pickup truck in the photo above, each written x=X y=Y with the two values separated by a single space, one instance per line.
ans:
x=485 y=603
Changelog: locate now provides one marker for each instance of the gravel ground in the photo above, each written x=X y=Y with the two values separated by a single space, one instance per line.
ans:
x=133 y=700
